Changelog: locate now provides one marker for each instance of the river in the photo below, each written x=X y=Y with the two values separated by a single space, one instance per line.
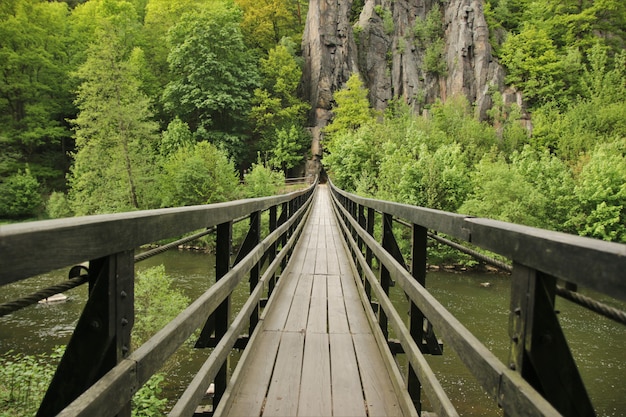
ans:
x=598 y=344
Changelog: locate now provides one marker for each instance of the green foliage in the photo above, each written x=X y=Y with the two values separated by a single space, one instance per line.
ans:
x=352 y=110
x=277 y=107
x=35 y=94
x=534 y=65
x=24 y=380
x=214 y=75
x=354 y=154
x=265 y=23
x=533 y=189
x=261 y=181
x=157 y=302
x=115 y=136
x=175 y=137
x=434 y=61
x=58 y=206
x=20 y=195
x=600 y=192
x=200 y=174
x=289 y=148
x=146 y=402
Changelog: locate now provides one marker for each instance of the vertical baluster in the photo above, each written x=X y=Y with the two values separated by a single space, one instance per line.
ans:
x=369 y=256
x=222 y=313
x=255 y=234
x=418 y=270
x=385 y=277
x=273 y=249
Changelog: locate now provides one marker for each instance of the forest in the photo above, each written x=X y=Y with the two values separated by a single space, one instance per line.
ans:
x=114 y=105
x=117 y=105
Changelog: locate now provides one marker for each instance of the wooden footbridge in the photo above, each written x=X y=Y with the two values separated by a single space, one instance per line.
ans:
x=315 y=328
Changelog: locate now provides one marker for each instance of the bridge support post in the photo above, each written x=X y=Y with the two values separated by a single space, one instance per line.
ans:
x=539 y=350
x=101 y=338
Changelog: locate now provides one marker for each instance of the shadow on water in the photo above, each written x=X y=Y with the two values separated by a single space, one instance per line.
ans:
x=597 y=343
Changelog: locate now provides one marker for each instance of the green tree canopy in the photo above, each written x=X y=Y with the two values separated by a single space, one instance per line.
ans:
x=199 y=174
x=115 y=136
x=213 y=76
x=34 y=89
x=352 y=110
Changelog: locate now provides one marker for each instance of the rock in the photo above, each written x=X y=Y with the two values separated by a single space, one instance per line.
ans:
x=391 y=62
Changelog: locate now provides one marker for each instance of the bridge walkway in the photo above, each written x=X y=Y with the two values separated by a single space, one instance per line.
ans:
x=314 y=352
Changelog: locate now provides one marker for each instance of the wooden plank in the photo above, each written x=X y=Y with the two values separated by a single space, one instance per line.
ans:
x=248 y=399
x=309 y=266
x=315 y=389
x=357 y=320
x=276 y=316
x=380 y=396
x=321 y=261
x=337 y=316
x=285 y=383
x=318 y=311
x=345 y=380
x=299 y=309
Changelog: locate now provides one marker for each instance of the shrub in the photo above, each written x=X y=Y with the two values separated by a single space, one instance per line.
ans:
x=19 y=195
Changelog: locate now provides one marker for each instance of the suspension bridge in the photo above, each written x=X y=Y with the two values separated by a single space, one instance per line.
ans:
x=315 y=330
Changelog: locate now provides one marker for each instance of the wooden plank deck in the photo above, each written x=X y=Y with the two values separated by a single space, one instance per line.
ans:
x=314 y=353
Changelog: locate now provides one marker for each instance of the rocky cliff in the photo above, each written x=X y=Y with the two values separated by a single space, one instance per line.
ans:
x=419 y=50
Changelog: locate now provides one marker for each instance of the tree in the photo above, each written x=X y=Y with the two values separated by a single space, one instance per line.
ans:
x=213 y=76
x=20 y=195
x=276 y=102
x=534 y=65
x=115 y=136
x=352 y=110
x=288 y=149
x=266 y=22
x=261 y=181
x=34 y=88
x=198 y=174
x=600 y=193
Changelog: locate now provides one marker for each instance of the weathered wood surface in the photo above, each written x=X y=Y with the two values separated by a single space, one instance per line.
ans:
x=315 y=354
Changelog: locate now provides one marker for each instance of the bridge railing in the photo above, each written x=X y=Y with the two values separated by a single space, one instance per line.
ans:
x=541 y=377
x=98 y=374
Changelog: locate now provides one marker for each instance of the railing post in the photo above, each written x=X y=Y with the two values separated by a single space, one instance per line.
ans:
x=385 y=277
x=272 y=254
x=369 y=255
x=101 y=338
x=255 y=234
x=284 y=212
x=222 y=313
x=418 y=270
x=539 y=350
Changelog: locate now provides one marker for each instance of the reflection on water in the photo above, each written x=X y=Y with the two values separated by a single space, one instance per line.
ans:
x=597 y=343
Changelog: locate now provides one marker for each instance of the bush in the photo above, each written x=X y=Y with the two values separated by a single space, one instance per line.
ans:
x=24 y=380
x=20 y=196
x=58 y=206
x=261 y=181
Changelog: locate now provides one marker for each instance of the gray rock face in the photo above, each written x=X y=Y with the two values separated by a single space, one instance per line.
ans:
x=382 y=46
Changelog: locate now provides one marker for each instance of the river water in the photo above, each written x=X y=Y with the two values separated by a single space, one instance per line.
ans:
x=598 y=344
